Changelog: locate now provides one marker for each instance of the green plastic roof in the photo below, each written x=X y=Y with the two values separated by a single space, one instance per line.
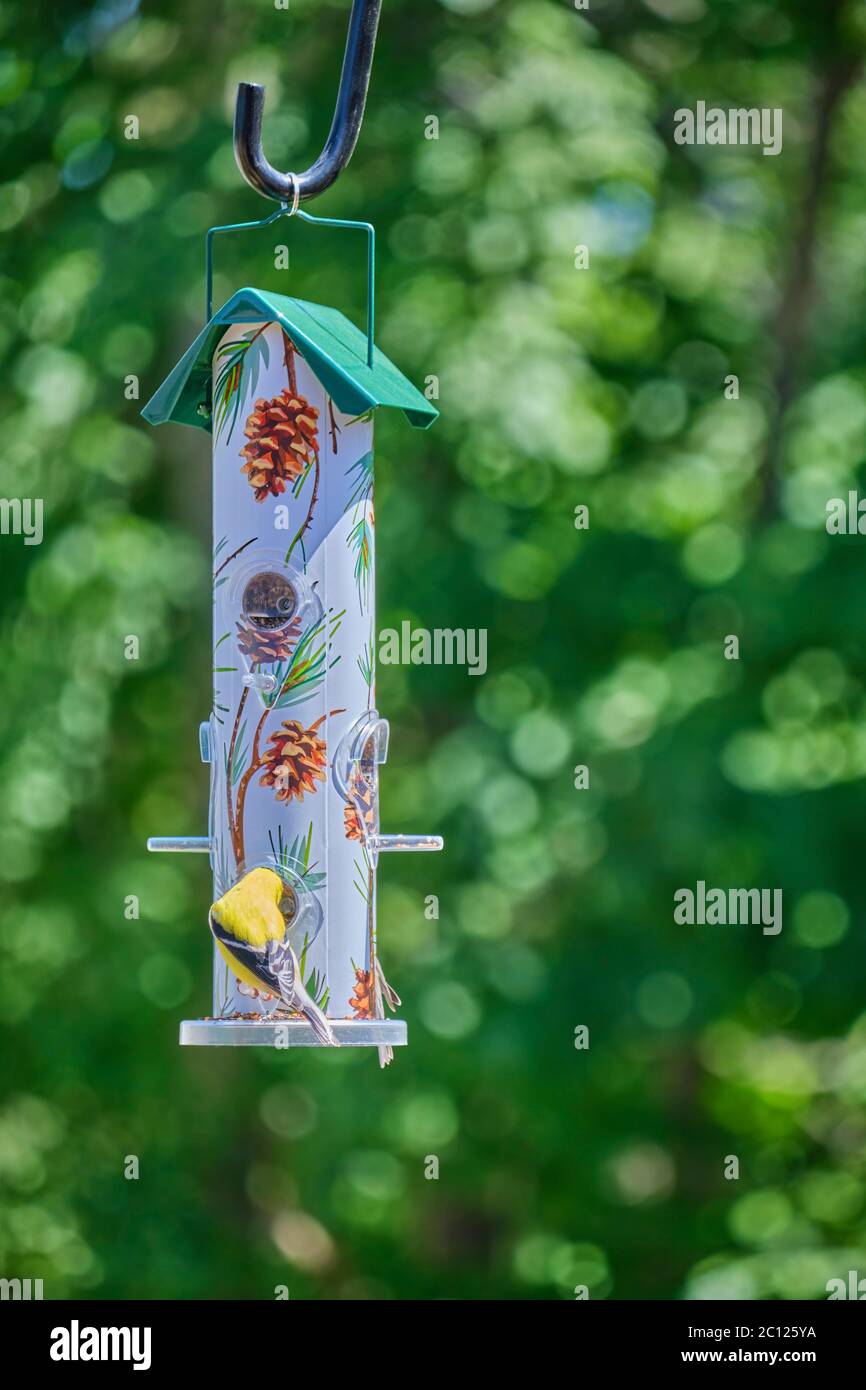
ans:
x=332 y=346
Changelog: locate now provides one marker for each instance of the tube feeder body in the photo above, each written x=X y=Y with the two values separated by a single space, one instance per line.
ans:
x=289 y=686
x=294 y=740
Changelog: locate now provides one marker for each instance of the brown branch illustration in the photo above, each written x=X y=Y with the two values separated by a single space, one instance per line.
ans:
x=332 y=425
x=235 y=831
x=256 y=764
x=233 y=556
x=310 y=510
x=289 y=359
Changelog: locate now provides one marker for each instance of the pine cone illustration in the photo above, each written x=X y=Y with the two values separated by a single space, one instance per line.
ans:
x=283 y=436
x=295 y=760
x=352 y=823
x=361 y=1003
x=361 y=807
x=359 y=815
x=262 y=646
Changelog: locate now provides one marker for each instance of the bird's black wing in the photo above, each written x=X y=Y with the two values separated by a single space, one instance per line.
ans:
x=281 y=964
x=256 y=959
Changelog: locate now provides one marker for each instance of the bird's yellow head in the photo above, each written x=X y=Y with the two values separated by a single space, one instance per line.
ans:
x=251 y=910
x=263 y=883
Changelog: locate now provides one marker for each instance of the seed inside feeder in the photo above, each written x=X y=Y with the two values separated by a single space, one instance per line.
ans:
x=269 y=600
x=289 y=906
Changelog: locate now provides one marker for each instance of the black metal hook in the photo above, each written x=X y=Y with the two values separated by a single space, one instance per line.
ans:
x=345 y=127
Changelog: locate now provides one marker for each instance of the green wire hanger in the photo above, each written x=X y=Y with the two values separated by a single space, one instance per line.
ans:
x=285 y=210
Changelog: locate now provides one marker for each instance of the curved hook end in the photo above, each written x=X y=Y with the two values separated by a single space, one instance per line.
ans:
x=249 y=109
x=345 y=127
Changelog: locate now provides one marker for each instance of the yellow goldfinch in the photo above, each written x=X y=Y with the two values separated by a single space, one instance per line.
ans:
x=250 y=932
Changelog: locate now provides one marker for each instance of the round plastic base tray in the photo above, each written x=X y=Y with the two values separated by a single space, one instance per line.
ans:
x=293 y=1032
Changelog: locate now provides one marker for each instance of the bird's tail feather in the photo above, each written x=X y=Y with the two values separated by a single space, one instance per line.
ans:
x=391 y=997
x=322 y=1028
x=382 y=988
x=316 y=1019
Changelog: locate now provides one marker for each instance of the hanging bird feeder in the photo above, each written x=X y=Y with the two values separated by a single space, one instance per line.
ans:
x=288 y=390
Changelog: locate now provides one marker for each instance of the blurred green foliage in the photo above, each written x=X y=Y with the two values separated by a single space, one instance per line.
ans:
x=559 y=387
